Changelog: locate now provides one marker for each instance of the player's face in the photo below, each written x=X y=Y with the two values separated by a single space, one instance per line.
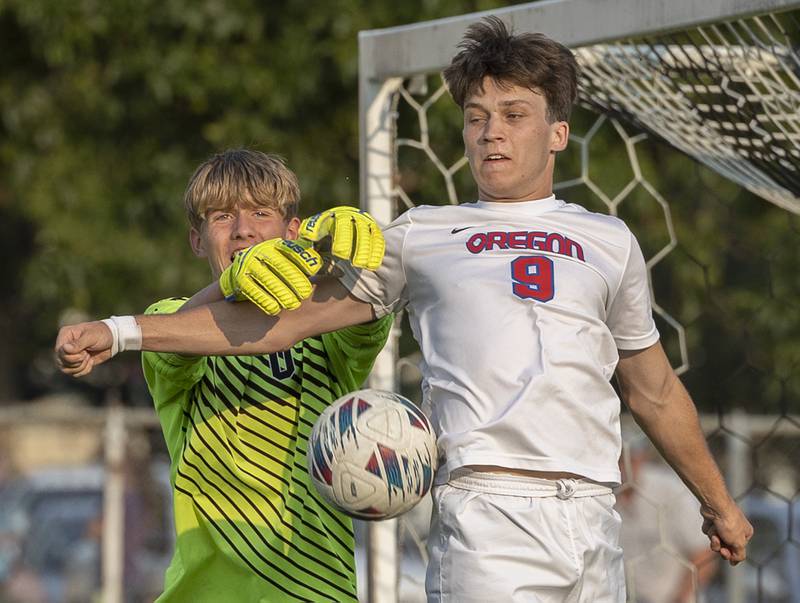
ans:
x=224 y=232
x=510 y=143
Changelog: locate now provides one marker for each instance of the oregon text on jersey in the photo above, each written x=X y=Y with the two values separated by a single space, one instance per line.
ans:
x=552 y=242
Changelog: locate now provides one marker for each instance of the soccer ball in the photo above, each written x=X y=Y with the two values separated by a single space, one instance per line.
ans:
x=372 y=454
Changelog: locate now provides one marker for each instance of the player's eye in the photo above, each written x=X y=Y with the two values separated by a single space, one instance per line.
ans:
x=220 y=216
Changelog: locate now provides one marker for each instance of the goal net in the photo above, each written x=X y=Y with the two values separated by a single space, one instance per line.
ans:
x=727 y=94
x=689 y=129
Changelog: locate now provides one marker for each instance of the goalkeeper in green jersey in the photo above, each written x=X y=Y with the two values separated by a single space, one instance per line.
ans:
x=249 y=524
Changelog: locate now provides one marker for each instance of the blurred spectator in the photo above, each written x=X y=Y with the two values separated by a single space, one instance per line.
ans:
x=23 y=585
x=82 y=569
x=12 y=525
x=667 y=556
x=18 y=582
x=147 y=525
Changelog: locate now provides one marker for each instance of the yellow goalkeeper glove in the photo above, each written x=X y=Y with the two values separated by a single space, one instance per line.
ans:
x=272 y=274
x=355 y=235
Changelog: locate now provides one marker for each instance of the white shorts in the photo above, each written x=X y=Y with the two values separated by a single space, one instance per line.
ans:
x=497 y=538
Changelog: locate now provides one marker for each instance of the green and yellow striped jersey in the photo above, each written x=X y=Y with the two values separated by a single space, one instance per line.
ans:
x=249 y=524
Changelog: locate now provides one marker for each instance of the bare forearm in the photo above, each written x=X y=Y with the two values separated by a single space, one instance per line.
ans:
x=673 y=426
x=216 y=329
x=225 y=328
x=663 y=408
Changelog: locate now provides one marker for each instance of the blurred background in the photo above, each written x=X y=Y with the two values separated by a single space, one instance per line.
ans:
x=107 y=107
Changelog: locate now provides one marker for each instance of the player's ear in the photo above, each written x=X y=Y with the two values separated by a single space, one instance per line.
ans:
x=559 y=136
x=292 y=228
x=197 y=242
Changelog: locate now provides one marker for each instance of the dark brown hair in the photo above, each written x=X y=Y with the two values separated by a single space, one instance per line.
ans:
x=530 y=60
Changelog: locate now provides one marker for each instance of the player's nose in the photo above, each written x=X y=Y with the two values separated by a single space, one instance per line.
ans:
x=493 y=130
x=244 y=227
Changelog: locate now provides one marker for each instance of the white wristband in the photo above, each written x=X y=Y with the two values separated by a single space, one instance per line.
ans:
x=126 y=334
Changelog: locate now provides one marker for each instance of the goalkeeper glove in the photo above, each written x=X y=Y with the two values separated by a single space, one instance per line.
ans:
x=355 y=235
x=272 y=274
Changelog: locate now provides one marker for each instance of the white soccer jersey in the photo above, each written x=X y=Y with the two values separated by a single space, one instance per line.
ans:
x=519 y=309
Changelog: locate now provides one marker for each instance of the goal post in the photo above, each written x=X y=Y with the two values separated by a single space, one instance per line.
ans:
x=427 y=47
x=717 y=80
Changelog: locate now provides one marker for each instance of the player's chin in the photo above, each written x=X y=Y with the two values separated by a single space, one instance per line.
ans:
x=498 y=187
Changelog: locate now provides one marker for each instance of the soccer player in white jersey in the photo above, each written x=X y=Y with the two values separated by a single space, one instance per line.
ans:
x=524 y=307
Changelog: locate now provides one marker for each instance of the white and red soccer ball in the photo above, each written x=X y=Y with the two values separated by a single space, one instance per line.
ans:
x=372 y=454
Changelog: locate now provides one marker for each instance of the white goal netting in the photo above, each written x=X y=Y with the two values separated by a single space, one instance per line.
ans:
x=728 y=94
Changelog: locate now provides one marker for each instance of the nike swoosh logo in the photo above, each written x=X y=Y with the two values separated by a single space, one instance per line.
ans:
x=455 y=230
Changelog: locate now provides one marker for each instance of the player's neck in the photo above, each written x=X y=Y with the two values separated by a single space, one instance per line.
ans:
x=536 y=190
x=529 y=196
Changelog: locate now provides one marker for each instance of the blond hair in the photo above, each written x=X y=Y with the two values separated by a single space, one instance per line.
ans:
x=245 y=178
